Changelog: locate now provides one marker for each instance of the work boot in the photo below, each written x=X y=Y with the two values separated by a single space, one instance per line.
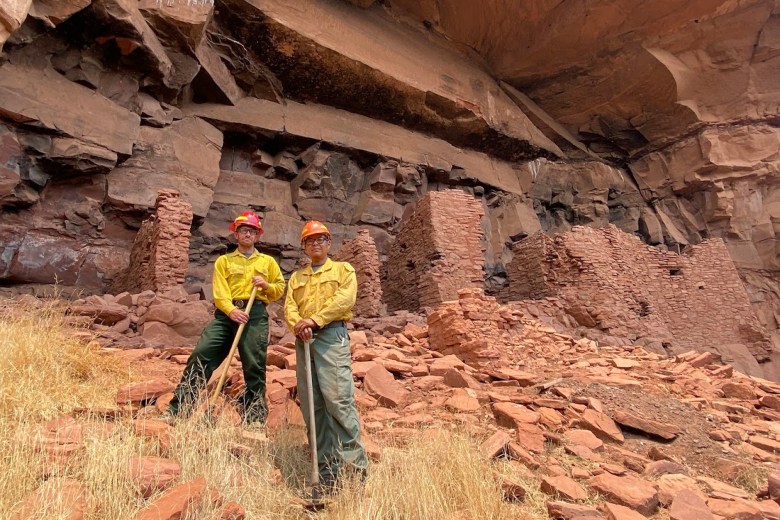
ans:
x=325 y=488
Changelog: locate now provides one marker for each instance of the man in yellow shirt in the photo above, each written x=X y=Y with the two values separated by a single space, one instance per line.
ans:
x=319 y=302
x=234 y=276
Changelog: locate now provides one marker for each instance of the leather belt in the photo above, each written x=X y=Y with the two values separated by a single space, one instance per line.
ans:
x=337 y=323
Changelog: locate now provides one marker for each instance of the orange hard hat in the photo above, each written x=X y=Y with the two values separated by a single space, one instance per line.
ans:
x=312 y=228
x=247 y=218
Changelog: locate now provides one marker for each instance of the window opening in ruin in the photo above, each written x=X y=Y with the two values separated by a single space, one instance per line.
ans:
x=675 y=272
x=410 y=265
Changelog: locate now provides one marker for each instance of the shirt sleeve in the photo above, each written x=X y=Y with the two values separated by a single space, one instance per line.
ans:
x=220 y=287
x=276 y=282
x=342 y=301
x=292 y=314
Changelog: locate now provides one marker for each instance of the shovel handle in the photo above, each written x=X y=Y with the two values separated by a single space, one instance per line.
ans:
x=233 y=348
x=315 y=473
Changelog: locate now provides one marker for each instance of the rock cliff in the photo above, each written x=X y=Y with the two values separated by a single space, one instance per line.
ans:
x=658 y=117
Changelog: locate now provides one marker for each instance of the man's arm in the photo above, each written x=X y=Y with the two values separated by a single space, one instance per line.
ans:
x=291 y=313
x=342 y=301
x=275 y=282
x=220 y=287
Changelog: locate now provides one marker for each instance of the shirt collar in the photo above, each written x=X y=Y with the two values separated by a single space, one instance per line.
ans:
x=324 y=267
x=255 y=253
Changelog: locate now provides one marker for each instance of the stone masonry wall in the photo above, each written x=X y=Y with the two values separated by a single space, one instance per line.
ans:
x=436 y=253
x=361 y=252
x=474 y=327
x=526 y=272
x=159 y=257
x=610 y=280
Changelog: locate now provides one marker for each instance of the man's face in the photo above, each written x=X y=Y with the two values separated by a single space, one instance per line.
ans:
x=316 y=247
x=246 y=236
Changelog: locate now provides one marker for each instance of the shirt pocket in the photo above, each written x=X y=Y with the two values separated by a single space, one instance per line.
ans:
x=328 y=285
x=298 y=287
x=235 y=272
x=258 y=270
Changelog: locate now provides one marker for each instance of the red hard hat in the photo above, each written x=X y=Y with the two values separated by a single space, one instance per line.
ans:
x=247 y=218
x=312 y=228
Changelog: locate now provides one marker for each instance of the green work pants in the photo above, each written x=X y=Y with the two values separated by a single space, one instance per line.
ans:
x=213 y=348
x=335 y=413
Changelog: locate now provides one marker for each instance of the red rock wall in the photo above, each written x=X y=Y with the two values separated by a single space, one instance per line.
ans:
x=159 y=256
x=612 y=281
x=361 y=252
x=436 y=253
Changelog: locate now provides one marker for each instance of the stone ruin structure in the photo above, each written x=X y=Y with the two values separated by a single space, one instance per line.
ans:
x=611 y=281
x=159 y=257
x=361 y=252
x=473 y=327
x=436 y=253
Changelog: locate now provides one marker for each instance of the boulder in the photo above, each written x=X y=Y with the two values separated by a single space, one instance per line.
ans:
x=155 y=430
x=495 y=444
x=50 y=100
x=152 y=474
x=738 y=391
x=104 y=313
x=569 y=511
x=177 y=24
x=375 y=208
x=135 y=393
x=133 y=35
x=12 y=14
x=462 y=401
x=602 y=426
x=563 y=487
x=213 y=68
x=740 y=509
x=510 y=415
x=618 y=512
x=186 y=319
x=583 y=438
x=669 y=486
x=652 y=428
x=380 y=384
x=177 y=502
x=54 y=12
x=184 y=157
x=688 y=505
x=632 y=492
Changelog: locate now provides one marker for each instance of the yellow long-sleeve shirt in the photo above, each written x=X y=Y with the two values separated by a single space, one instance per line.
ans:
x=325 y=296
x=233 y=274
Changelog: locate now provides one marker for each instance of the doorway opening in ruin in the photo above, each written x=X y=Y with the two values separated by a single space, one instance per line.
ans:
x=675 y=272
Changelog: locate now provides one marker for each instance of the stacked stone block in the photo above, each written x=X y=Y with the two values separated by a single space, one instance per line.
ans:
x=436 y=253
x=159 y=257
x=361 y=252
x=473 y=327
x=612 y=281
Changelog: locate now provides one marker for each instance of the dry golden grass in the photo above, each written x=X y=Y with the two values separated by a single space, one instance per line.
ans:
x=46 y=373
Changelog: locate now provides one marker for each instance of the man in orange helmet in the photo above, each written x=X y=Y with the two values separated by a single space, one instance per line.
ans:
x=234 y=276
x=319 y=302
